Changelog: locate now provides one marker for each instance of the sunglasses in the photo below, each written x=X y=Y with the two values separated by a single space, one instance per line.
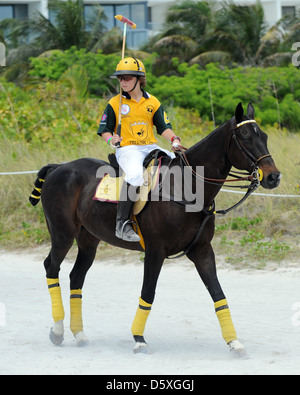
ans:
x=125 y=77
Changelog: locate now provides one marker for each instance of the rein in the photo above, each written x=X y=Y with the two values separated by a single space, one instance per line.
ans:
x=255 y=178
x=184 y=158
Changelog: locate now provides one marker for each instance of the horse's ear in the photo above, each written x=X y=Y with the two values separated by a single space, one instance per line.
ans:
x=250 y=111
x=239 y=111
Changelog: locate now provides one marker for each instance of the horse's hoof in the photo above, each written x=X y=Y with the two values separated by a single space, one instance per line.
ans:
x=237 y=350
x=56 y=338
x=81 y=339
x=141 y=348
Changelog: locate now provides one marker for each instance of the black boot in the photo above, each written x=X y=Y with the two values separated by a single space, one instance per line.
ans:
x=124 y=229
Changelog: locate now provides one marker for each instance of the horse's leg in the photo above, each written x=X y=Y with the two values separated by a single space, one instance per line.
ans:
x=152 y=266
x=204 y=260
x=52 y=266
x=87 y=246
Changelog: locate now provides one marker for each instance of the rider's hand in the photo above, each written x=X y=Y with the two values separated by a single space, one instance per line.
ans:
x=176 y=143
x=115 y=140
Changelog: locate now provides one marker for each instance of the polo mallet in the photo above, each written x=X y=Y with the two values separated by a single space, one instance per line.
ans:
x=126 y=22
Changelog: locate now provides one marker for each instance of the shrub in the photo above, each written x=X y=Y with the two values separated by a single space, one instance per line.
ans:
x=274 y=91
x=98 y=67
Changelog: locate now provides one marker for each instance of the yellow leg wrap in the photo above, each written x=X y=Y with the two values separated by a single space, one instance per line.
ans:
x=55 y=294
x=76 y=324
x=139 y=322
x=224 y=317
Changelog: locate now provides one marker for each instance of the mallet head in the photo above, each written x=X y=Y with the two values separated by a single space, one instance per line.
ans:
x=129 y=23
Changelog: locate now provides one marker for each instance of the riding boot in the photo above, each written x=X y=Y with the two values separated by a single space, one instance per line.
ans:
x=124 y=229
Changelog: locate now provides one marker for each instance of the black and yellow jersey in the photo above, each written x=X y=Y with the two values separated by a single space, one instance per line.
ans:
x=137 y=119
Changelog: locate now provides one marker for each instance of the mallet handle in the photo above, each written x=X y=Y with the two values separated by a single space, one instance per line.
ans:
x=131 y=24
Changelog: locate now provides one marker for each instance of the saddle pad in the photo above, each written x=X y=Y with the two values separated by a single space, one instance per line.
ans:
x=109 y=188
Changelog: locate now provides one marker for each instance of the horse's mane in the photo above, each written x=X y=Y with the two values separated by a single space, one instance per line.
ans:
x=219 y=130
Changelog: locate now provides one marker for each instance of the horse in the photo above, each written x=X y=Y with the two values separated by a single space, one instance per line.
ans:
x=67 y=190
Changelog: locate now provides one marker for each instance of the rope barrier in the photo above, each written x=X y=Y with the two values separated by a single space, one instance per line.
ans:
x=222 y=190
x=262 y=194
x=18 y=172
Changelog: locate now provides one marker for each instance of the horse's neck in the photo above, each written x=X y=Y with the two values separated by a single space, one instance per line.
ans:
x=211 y=152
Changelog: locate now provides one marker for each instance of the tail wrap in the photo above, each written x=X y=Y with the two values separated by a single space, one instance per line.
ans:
x=37 y=191
x=35 y=196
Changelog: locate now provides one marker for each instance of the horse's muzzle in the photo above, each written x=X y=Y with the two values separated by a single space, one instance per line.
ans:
x=272 y=180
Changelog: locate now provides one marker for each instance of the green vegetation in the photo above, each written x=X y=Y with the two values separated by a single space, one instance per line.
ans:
x=248 y=240
x=275 y=92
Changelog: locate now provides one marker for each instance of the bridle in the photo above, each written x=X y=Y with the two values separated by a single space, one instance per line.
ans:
x=256 y=175
x=252 y=158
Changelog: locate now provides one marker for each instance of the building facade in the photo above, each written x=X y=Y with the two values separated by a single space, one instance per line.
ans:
x=148 y=15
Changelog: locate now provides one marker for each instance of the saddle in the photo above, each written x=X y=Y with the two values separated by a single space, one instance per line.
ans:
x=109 y=187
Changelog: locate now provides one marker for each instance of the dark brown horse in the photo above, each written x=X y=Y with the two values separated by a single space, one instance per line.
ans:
x=167 y=228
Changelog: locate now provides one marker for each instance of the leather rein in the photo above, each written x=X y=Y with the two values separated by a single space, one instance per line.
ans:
x=255 y=177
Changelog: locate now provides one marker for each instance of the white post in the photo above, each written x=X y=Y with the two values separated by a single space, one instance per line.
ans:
x=278 y=10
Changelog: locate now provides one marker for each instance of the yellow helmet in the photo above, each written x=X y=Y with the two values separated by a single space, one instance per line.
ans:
x=130 y=66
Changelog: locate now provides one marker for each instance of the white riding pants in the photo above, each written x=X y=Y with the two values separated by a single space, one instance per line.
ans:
x=131 y=158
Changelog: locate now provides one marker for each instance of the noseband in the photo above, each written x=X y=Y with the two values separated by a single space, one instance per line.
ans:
x=254 y=160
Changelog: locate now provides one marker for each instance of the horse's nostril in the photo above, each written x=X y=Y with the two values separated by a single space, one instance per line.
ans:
x=274 y=179
x=271 y=177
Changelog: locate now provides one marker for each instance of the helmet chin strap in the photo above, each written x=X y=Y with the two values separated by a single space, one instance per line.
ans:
x=137 y=78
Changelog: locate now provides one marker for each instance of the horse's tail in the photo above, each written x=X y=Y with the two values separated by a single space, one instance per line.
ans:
x=35 y=196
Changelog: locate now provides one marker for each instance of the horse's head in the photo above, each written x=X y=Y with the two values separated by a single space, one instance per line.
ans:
x=248 y=148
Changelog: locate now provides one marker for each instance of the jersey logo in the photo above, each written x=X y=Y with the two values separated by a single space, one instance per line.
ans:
x=125 y=109
x=166 y=118
x=139 y=130
x=150 y=109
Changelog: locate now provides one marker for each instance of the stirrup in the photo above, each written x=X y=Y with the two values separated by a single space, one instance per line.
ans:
x=133 y=237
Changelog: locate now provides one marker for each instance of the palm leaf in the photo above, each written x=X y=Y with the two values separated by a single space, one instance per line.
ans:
x=182 y=47
x=76 y=78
